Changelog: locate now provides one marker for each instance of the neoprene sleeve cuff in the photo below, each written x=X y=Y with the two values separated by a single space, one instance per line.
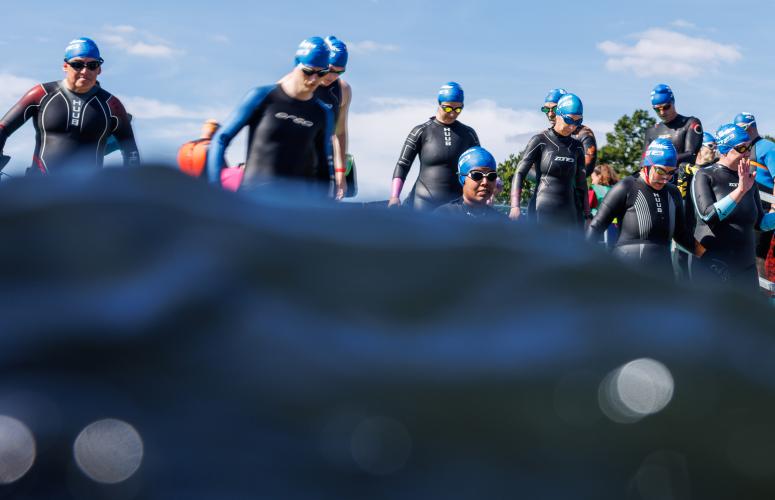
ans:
x=398 y=185
x=768 y=222
x=724 y=207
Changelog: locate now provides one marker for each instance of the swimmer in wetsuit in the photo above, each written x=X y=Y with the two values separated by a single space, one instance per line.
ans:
x=561 y=186
x=73 y=118
x=583 y=134
x=290 y=130
x=439 y=142
x=650 y=212
x=763 y=158
x=337 y=93
x=685 y=132
x=477 y=174
x=728 y=211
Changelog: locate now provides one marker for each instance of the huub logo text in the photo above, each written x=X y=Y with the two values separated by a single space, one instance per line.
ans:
x=658 y=201
x=447 y=137
x=75 y=118
x=295 y=119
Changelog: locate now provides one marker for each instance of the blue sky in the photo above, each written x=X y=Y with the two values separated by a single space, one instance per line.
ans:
x=174 y=65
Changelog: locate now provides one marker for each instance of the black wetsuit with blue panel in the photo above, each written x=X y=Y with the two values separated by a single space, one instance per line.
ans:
x=288 y=139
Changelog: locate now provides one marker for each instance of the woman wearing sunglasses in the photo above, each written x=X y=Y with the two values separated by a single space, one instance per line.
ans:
x=477 y=175
x=290 y=131
x=583 y=134
x=439 y=142
x=650 y=212
x=79 y=116
x=728 y=212
x=558 y=159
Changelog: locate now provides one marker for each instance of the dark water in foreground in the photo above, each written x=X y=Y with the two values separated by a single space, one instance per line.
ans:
x=261 y=350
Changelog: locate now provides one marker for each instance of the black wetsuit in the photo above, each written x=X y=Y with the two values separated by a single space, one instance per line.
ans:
x=439 y=147
x=287 y=139
x=561 y=192
x=685 y=132
x=71 y=129
x=331 y=95
x=587 y=139
x=648 y=220
x=459 y=208
x=726 y=244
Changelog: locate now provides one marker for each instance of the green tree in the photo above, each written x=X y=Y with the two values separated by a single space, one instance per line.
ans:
x=506 y=171
x=624 y=146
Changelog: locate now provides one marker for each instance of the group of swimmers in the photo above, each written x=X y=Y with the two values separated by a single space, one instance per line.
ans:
x=298 y=130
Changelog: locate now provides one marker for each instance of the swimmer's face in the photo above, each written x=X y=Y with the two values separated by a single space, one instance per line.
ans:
x=659 y=176
x=548 y=110
x=83 y=77
x=478 y=188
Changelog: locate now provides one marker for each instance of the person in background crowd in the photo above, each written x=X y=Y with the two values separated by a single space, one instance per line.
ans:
x=603 y=179
x=685 y=132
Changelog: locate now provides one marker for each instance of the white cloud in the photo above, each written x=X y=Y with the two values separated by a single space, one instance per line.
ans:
x=137 y=42
x=369 y=46
x=12 y=88
x=668 y=53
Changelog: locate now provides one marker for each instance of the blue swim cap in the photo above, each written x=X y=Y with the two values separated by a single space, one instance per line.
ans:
x=475 y=157
x=569 y=104
x=660 y=152
x=554 y=95
x=313 y=52
x=745 y=120
x=662 y=94
x=708 y=140
x=82 y=47
x=451 y=92
x=730 y=135
x=338 y=49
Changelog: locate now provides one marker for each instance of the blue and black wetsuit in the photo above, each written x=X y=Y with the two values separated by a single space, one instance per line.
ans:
x=648 y=220
x=439 y=147
x=685 y=132
x=561 y=184
x=71 y=129
x=725 y=230
x=287 y=139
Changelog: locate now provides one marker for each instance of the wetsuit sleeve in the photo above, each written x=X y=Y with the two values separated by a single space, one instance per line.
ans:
x=20 y=113
x=693 y=142
x=531 y=157
x=613 y=206
x=650 y=134
x=216 y=156
x=409 y=152
x=706 y=206
x=582 y=200
x=683 y=234
x=325 y=147
x=590 y=150
x=123 y=133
